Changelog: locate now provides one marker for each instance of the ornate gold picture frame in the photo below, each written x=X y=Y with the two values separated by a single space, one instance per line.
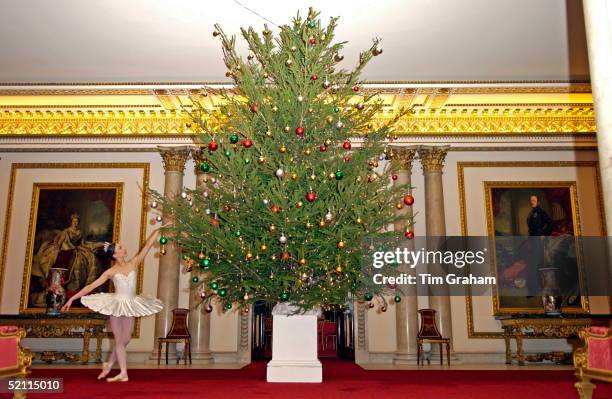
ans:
x=69 y=223
x=507 y=209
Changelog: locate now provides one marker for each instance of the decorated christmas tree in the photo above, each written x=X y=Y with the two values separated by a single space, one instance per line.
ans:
x=293 y=181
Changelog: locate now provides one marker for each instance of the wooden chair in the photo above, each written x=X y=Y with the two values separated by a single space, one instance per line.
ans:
x=329 y=333
x=179 y=332
x=429 y=333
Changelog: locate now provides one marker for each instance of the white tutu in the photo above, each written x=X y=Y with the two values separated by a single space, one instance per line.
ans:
x=123 y=302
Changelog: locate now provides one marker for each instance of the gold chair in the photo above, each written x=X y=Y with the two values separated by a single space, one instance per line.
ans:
x=179 y=332
x=15 y=361
x=593 y=360
x=429 y=333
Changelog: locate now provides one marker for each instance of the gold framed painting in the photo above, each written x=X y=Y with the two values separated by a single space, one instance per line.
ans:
x=69 y=223
x=517 y=211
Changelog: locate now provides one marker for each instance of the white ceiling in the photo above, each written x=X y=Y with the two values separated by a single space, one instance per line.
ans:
x=171 y=41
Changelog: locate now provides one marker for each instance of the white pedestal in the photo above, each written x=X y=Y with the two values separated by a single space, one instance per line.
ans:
x=294 y=346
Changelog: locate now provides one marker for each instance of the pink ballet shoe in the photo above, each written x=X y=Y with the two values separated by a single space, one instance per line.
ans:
x=118 y=378
x=105 y=371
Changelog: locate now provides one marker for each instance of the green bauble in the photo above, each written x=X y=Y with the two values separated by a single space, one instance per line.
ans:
x=185 y=256
x=222 y=292
x=339 y=175
x=237 y=233
x=228 y=306
x=336 y=109
x=234 y=138
x=247 y=161
x=205 y=167
x=163 y=240
x=195 y=279
x=214 y=285
x=205 y=263
x=227 y=153
x=312 y=24
x=397 y=298
x=284 y=296
x=368 y=297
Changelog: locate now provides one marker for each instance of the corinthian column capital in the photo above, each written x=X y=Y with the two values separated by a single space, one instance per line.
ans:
x=402 y=157
x=199 y=157
x=432 y=157
x=174 y=158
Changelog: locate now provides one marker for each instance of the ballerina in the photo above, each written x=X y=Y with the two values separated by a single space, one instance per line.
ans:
x=123 y=305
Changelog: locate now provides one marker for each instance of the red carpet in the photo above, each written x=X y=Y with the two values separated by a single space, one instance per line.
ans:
x=341 y=380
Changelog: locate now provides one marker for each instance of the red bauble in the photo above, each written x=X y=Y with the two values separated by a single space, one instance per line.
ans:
x=408 y=199
x=322 y=148
x=346 y=145
x=313 y=40
x=299 y=131
x=311 y=196
x=213 y=146
x=355 y=88
x=314 y=77
x=394 y=177
x=254 y=108
x=284 y=256
x=247 y=143
x=275 y=208
x=409 y=234
x=392 y=285
x=227 y=208
x=347 y=158
x=214 y=221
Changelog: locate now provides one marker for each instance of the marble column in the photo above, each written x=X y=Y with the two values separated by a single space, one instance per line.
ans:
x=598 y=24
x=174 y=159
x=432 y=161
x=199 y=319
x=406 y=311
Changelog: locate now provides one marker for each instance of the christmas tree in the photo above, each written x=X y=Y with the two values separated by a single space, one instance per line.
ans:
x=293 y=178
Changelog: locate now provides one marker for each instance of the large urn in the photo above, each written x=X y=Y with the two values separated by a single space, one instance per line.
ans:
x=551 y=298
x=56 y=293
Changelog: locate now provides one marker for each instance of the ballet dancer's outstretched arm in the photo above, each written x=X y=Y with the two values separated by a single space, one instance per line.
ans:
x=87 y=289
x=139 y=258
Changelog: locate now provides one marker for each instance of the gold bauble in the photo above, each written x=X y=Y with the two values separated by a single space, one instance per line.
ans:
x=272 y=227
x=341 y=244
x=304 y=276
x=201 y=255
x=265 y=75
x=399 y=205
x=302 y=261
x=274 y=108
x=263 y=248
x=331 y=176
x=287 y=129
x=294 y=175
x=293 y=48
x=249 y=256
x=163 y=251
x=329 y=119
x=339 y=269
x=261 y=159
x=269 y=133
x=291 y=159
x=322 y=223
x=307 y=152
x=312 y=176
x=283 y=149
x=288 y=62
x=299 y=204
x=358 y=178
x=273 y=257
x=310 y=110
x=308 y=225
x=328 y=142
x=359 y=221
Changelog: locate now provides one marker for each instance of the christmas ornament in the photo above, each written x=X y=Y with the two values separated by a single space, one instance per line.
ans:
x=266 y=201
x=326 y=84
x=183 y=195
x=228 y=306
x=397 y=298
x=214 y=285
x=163 y=251
x=247 y=161
x=399 y=205
x=274 y=108
x=213 y=146
x=284 y=256
x=302 y=261
x=383 y=309
x=359 y=106
x=205 y=263
x=312 y=177
x=329 y=119
x=339 y=269
x=288 y=62
x=286 y=129
x=205 y=167
x=371 y=305
x=377 y=51
x=279 y=172
x=154 y=204
x=283 y=149
x=312 y=24
x=254 y=108
x=338 y=175
x=209 y=308
x=394 y=177
x=222 y=292
x=299 y=204
x=284 y=296
x=338 y=57
x=261 y=159
x=341 y=244
x=347 y=158
x=195 y=279
x=409 y=234
x=336 y=109
x=300 y=99
x=313 y=40
x=311 y=196
x=247 y=143
x=329 y=216
x=227 y=153
x=158 y=218
x=272 y=227
x=321 y=223
x=299 y=131
x=163 y=240
x=346 y=145
x=368 y=297
x=314 y=77
x=308 y=225
x=216 y=33
x=294 y=176
x=282 y=239
x=293 y=49
x=408 y=199
x=322 y=148
x=359 y=220
x=275 y=208
x=356 y=88
x=263 y=247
